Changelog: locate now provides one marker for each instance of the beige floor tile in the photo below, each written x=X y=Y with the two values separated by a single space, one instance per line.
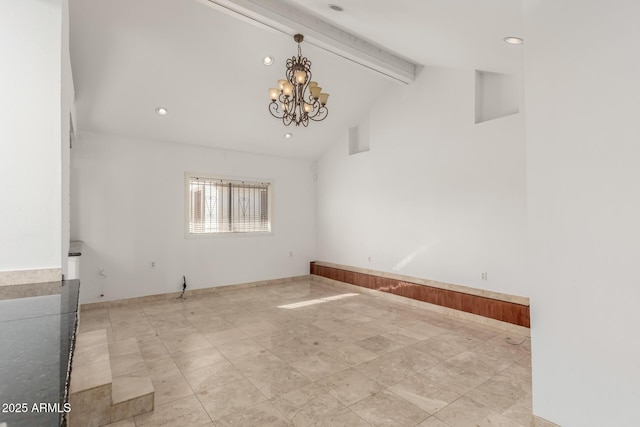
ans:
x=499 y=349
x=124 y=423
x=379 y=344
x=433 y=422
x=230 y=398
x=258 y=328
x=499 y=393
x=224 y=336
x=207 y=377
x=453 y=377
x=127 y=363
x=290 y=403
x=254 y=365
x=183 y=412
x=427 y=396
x=387 y=409
x=425 y=329
x=344 y=418
x=279 y=381
x=443 y=346
x=208 y=323
x=162 y=368
x=497 y=420
x=382 y=372
x=482 y=365
x=478 y=331
x=392 y=368
x=91 y=375
x=124 y=347
x=350 y=386
x=263 y=415
x=464 y=412
x=91 y=353
x=241 y=348
x=198 y=358
x=152 y=348
x=319 y=365
x=405 y=336
x=186 y=343
x=170 y=388
x=519 y=414
x=129 y=387
x=317 y=408
x=352 y=354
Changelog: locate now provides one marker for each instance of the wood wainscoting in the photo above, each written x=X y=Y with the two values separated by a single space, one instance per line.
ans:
x=498 y=309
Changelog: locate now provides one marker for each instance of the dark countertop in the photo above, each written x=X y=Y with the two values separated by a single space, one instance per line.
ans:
x=36 y=335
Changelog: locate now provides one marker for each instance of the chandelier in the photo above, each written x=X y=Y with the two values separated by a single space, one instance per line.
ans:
x=298 y=99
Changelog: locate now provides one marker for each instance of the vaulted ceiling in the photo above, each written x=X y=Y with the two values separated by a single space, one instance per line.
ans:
x=205 y=65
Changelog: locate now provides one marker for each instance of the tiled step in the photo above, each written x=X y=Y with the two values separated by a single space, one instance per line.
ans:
x=91 y=380
x=109 y=381
x=132 y=395
x=133 y=392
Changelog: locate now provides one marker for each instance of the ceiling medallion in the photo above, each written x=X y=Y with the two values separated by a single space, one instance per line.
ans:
x=298 y=99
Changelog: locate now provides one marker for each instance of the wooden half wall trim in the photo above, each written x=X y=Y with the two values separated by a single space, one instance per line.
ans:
x=505 y=311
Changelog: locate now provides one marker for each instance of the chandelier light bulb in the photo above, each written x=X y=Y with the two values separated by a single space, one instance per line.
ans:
x=315 y=92
x=324 y=97
x=287 y=89
x=273 y=93
x=300 y=77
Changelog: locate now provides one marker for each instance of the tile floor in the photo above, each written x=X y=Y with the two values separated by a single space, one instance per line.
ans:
x=235 y=358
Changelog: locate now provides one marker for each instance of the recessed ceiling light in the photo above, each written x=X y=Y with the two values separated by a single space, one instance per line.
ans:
x=513 y=40
x=336 y=8
x=161 y=111
x=267 y=60
x=288 y=135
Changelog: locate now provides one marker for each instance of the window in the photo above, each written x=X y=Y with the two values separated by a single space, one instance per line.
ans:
x=222 y=205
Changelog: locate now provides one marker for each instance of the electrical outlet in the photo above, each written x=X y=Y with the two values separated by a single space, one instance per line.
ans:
x=484 y=276
x=153 y=264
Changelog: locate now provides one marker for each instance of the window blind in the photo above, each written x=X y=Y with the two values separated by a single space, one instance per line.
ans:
x=228 y=206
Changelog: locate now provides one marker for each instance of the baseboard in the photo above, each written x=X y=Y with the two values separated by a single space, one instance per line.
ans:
x=188 y=293
x=503 y=308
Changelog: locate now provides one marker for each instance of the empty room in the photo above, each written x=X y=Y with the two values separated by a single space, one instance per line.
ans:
x=314 y=213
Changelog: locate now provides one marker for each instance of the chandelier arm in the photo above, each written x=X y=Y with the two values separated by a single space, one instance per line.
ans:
x=274 y=109
x=322 y=114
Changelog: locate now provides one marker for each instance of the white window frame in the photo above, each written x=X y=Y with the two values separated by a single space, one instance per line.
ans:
x=187 y=205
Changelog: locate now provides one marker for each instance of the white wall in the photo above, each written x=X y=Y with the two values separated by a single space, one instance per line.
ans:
x=583 y=149
x=436 y=197
x=128 y=208
x=67 y=106
x=30 y=108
